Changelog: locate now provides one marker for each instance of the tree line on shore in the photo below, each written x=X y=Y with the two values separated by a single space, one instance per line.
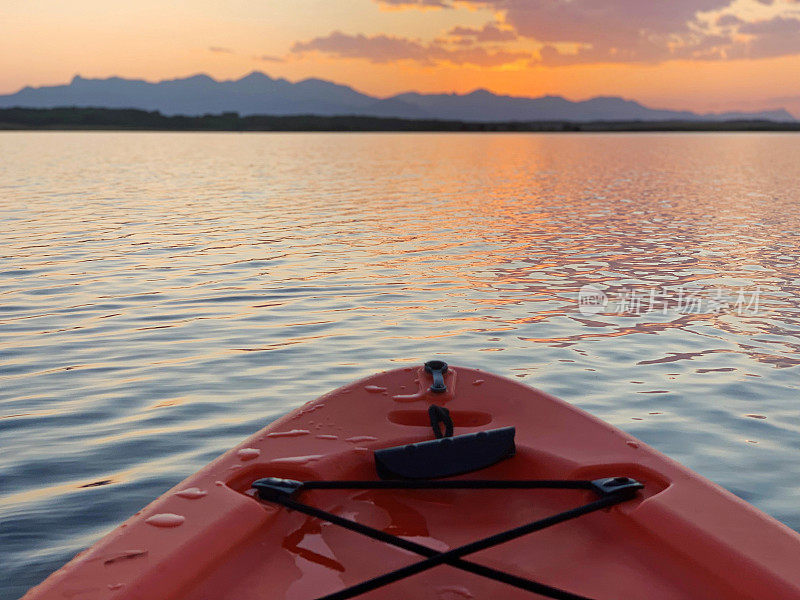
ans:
x=79 y=118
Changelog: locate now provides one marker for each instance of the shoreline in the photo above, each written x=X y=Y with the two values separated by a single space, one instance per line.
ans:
x=106 y=119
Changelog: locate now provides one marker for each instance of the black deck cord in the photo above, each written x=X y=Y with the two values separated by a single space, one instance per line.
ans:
x=439 y=414
x=454 y=484
x=377 y=582
x=452 y=557
x=457 y=553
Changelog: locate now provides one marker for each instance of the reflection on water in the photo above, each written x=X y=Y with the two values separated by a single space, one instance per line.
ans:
x=164 y=295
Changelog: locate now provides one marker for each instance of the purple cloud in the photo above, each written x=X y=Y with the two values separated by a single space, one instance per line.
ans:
x=385 y=48
x=774 y=26
x=379 y=48
x=628 y=31
x=606 y=30
x=417 y=3
x=488 y=33
x=728 y=19
x=778 y=36
x=597 y=20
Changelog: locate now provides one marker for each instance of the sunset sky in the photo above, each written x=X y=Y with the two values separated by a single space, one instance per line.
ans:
x=682 y=54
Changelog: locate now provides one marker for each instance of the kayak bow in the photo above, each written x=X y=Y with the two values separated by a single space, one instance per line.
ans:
x=442 y=483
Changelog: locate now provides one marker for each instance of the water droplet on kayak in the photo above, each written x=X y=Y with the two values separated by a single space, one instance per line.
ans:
x=191 y=493
x=407 y=397
x=632 y=444
x=453 y=592
x=327 y=436
x=477 y=382
x=249 y=453
x=292 y=433
x=311 y=407
x=115 y=586
x=296 y=460
x=361 y=449
x=234 y=467
x=130 y=554
x=362 y=438
x=165 y=520
x=219 y=483
x=374 y=389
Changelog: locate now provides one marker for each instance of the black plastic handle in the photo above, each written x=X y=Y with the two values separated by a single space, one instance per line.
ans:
x=446 y=456
x=437 y=369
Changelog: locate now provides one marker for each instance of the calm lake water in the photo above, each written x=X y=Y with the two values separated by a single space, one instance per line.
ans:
x=164 y=295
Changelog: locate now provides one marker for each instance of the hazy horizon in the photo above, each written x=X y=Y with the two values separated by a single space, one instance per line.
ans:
x=78 y=76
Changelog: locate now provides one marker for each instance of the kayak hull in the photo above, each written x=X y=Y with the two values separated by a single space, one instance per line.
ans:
x=681 y=537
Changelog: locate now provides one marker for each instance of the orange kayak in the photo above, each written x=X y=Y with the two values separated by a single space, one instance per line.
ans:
x=440 y=483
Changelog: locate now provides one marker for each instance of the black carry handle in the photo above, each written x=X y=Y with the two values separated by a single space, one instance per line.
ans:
x=447 y=456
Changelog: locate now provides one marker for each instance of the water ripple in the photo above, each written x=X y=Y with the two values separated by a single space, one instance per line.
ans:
x=164 y=295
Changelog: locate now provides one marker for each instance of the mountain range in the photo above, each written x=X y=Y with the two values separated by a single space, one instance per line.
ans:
x=259 y=94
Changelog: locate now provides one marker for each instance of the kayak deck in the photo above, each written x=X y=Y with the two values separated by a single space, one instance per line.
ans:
x=210 y=537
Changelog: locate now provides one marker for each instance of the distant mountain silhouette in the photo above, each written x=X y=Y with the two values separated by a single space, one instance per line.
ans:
x=259 y=94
